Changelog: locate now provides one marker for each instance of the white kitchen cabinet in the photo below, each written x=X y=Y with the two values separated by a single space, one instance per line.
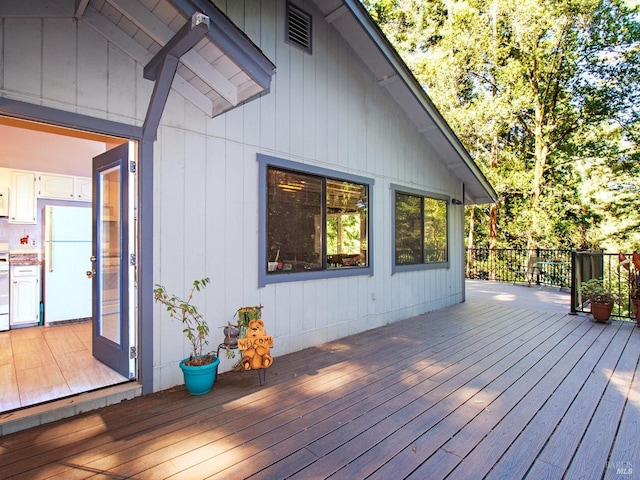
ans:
x=56 y=186
x=22 y=197
x=83 y=188
x=25 y=295
x=5 y=178
x=64 y=187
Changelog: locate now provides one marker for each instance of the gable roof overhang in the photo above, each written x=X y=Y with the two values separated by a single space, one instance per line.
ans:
x=358 y=29
x=223 y=70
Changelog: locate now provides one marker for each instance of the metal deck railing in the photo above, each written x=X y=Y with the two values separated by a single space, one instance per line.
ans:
x=565 y=269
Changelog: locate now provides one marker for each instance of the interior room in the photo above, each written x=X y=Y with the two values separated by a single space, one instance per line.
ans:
x=45 y=250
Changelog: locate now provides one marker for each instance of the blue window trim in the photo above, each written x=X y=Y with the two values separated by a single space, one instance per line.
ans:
x=421 y=193
x=265 y=161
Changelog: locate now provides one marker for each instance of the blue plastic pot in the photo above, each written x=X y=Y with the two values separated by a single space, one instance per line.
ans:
x=199 y=379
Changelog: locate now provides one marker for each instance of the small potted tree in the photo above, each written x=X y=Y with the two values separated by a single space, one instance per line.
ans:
x=199 y=369
x=601 y=298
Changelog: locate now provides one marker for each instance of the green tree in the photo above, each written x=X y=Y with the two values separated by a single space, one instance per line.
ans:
x=613 y=187
x=531 y=88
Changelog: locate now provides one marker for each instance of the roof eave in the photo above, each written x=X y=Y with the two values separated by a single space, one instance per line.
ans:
x=232 y=40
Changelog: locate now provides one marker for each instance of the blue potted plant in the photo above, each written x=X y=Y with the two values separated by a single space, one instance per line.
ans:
x=199 y=369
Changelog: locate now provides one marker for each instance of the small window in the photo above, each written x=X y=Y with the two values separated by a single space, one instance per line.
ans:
x=298 y=28
x=420 y=231
x=314 y=222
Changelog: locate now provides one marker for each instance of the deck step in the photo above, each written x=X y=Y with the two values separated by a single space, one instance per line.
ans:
x=25 y=418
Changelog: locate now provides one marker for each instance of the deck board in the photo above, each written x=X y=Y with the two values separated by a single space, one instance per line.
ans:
x=626 y=447
x=514 y=386
x=561 y=447
x=498 y=378
x=470 y=391
x=529 y=394
x=193 y=457
x=458 y=375
x=597 y=442
x=523 y=451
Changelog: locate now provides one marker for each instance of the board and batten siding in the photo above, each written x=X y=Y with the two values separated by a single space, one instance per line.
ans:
x=324 y=109
x=64 y=64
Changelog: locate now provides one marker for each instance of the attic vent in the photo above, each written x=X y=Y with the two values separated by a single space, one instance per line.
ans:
x=298 y=28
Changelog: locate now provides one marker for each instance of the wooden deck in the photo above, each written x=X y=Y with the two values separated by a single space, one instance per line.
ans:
x=476 y=390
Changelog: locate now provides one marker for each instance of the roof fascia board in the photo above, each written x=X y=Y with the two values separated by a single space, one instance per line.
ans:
x=232 y=41
x=408 y=79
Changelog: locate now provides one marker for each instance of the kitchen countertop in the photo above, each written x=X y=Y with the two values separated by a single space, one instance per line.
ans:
x=24 y=257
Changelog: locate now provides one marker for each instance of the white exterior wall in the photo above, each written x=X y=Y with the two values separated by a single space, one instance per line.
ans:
x=323 y=109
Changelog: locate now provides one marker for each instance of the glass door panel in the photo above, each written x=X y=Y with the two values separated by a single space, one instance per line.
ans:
x=113 y=247
x=108 y=268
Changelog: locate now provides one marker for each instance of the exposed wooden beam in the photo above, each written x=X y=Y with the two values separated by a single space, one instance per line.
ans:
x=165 y=71
x=161 y=33
x=183 y=41
x=81 y=6
x=141 y=55
x=162 y=69
x=116 y=36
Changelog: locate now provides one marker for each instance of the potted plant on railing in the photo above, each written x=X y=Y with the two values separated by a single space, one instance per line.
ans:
x=601 y=298
x=632 y=266
x=199 y=369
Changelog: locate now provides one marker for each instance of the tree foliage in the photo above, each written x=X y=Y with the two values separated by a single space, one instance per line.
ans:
x=543 y=94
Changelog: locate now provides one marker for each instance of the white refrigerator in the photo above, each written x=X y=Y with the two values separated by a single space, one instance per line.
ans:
x=67 y=257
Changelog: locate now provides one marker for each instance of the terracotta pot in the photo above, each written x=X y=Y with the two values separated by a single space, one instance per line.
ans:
x=601 y=311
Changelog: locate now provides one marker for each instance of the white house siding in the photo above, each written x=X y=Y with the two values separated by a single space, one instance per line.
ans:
x=326 y=110
x=63 y=64
x=323 y=109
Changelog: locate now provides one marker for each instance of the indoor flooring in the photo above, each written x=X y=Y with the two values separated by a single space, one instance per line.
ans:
x=40 y=364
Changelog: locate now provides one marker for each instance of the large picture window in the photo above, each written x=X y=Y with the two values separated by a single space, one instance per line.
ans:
x=420 y=229
x=314 y=221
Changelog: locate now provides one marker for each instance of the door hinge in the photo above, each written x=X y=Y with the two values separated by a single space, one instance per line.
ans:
x=132 y=260
x=133 y=353
x=132 y=166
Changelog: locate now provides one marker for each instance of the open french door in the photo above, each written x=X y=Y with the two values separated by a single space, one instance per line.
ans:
x=113 y=259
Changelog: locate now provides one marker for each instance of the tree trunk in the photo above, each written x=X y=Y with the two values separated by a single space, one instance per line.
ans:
x=540 y=157
x=493 y=214
x=472 y=224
